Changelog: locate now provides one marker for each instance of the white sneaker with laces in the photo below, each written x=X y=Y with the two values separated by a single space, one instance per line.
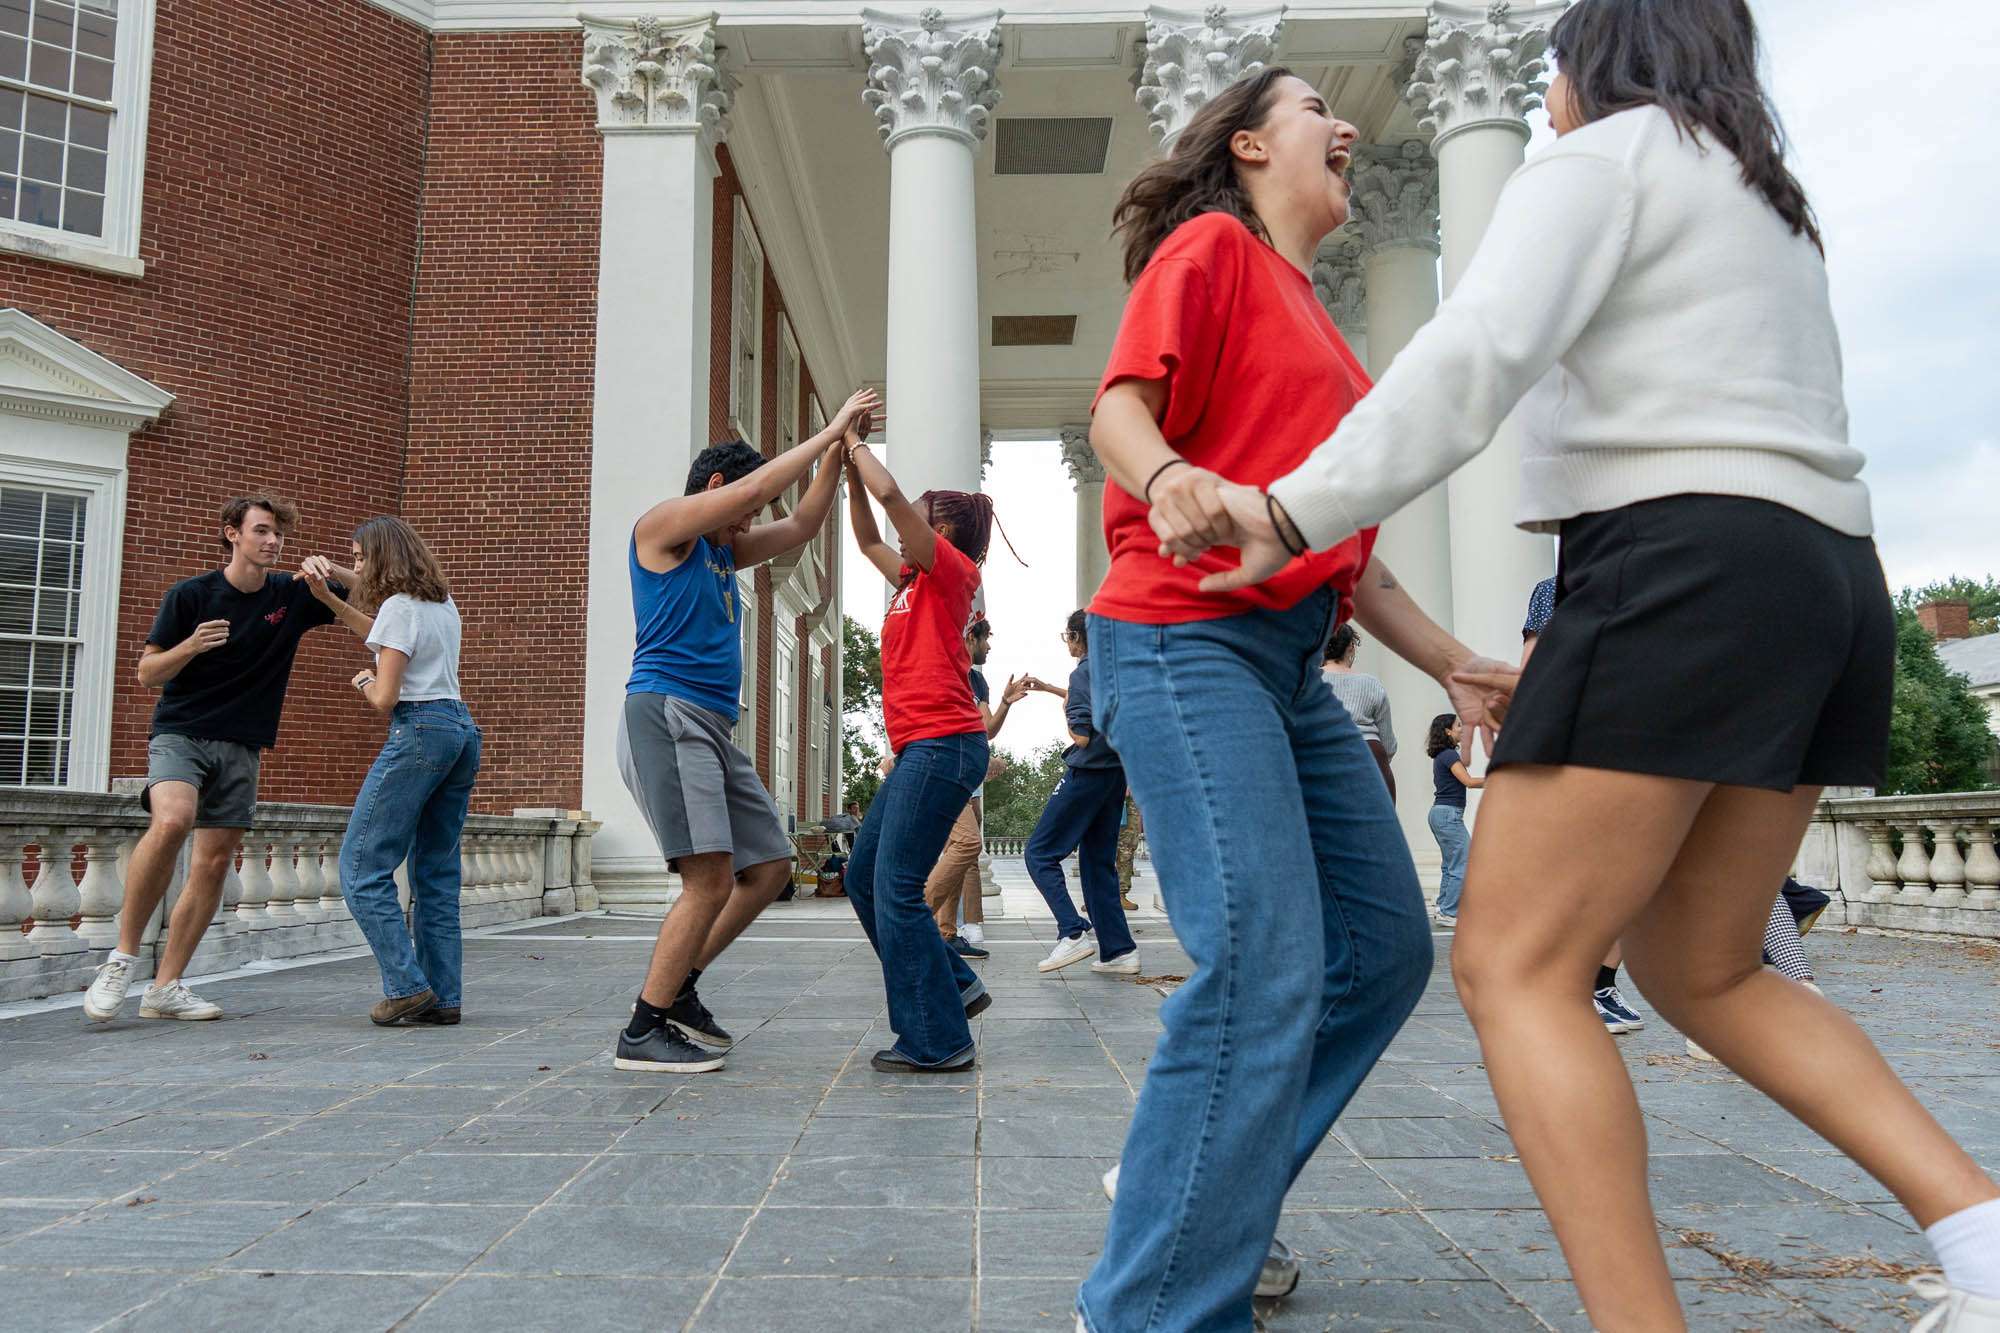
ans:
x=1957 y=1311
x=1072 y=950
x=1280 y=1274
x=175 y=1000
x=1125 y=963
x=106 y=995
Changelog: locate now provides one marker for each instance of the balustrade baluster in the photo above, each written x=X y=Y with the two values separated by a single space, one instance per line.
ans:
x=17 y=905
x=1881 y=868
x=1947 y=866
x=55 y=897
x=1913 y=868
x=101 y=895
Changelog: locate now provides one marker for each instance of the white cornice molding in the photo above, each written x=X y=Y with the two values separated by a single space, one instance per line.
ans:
x=1481 y=65
x=931 y=75
x=43 y=374
x=1190 y=57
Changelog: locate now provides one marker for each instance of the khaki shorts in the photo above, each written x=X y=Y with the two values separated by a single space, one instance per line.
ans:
x=223 y=773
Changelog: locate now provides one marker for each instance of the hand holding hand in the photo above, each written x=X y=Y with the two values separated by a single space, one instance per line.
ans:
x=209 y=634
x=1188 y=514
x=1260 y=550
x=1481 y=690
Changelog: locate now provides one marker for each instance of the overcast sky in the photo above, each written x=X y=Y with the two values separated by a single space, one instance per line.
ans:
x=1891 y=116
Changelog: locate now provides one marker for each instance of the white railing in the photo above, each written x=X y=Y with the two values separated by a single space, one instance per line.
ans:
x=1909 y=862
x=63 y=857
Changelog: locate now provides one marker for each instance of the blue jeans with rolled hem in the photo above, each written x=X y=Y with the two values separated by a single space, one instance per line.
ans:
x=1289 y=884
x=907 y=823
x=1448 y=827
x=1082 y=816
x=412 y=806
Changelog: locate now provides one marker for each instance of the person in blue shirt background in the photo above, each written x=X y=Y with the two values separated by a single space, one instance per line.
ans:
x=1082 y=816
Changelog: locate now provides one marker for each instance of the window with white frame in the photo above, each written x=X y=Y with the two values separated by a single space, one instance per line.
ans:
x=746 y=325
x=74 y=81
x=41 y=606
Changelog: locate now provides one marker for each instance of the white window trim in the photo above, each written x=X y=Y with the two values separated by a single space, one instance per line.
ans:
x=746 y=344
x=66 y=420
x=117 y=251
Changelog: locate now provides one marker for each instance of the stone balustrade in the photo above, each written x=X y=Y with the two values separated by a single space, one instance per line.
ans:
x=63 y=857
x=1909 y=862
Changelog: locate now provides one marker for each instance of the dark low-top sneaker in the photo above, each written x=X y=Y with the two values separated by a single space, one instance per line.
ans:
x=693 y=1018
x=443 y=1016
x=664 y=1050
x=965 y=948
x=394 y=1009
x=891 y=1063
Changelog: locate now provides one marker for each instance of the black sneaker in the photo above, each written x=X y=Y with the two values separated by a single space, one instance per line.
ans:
x=664 y=1050
x=692 y=1016
x=965 y=948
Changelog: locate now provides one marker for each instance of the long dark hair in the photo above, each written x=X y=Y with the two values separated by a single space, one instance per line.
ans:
x=1199 y=176
x=1697 y=61
x=1439 y=740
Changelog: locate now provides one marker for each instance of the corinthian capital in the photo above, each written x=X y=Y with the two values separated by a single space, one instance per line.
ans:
x=927 y=76
x=1395 y=197
x=1337 y=281
x=653 y=75
x=1079 y=457
x=1480 y=65
x=1192 y=57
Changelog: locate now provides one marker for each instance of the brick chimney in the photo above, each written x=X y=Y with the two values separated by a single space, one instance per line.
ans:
x=1946 y=620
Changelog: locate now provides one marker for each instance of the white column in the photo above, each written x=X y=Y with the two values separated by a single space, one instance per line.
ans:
x=1480 y=72
x=662 y=106
x=930 y=84
x=1190 y=57
x=1394 y=212
x=1093 y=559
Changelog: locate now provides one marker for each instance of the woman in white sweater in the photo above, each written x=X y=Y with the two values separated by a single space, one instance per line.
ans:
x=1651 y=292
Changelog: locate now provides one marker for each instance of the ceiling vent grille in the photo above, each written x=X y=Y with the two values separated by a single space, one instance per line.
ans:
x=1050 y=145
x=1034 y=330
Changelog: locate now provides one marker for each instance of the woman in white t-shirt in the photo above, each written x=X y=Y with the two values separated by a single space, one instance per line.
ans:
x=413 y=805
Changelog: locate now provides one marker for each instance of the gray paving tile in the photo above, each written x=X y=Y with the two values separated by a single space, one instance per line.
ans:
x=253 y=1303
x=760 y=1304
x=856 y=1242
x=379 y=1238
x=612 y=1242
x=478 y=1303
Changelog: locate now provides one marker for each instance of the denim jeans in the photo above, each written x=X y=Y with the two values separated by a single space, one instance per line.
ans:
x=413 y=807
x=1082 y=815
x=905 y=830
x=1448 y=827
x=1288 y=882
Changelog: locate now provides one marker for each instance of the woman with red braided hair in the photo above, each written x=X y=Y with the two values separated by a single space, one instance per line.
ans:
x=938 y=737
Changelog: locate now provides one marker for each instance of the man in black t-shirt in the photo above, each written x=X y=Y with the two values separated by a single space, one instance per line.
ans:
x=220 y=653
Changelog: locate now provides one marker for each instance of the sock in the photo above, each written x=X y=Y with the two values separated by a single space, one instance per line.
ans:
x=645 y=1017
x=1606 y=976
x=1968 y=1246
x=687 y=987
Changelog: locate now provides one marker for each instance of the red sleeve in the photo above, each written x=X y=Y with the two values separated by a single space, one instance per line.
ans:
x=1170 y=331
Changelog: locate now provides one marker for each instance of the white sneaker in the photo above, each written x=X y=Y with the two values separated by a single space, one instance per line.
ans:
x=1957 y=1311
x=106 y=995
x=175 y=1000
x=1125 y=963
x=1072 y=950
x=1280 y=1274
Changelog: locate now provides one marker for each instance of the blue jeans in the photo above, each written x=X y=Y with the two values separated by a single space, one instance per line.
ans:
x=413 y=806
x=1448 y=827
x=1083 y=815
x=1289 y=884
x=907 y=823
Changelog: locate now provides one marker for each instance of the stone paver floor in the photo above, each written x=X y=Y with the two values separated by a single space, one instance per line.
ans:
x=292 y=1165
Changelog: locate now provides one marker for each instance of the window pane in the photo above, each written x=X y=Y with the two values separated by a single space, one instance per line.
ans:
x=41 y=159
x=92 y=78
x=54 y=21
x=96 y=32
x=13 y=57
x=14 y=16
x=83 y=212
x=48 y=67
x=46 y=116
x=89 y=128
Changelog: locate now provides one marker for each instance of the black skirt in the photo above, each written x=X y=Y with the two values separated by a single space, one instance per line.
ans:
x=1713 y=638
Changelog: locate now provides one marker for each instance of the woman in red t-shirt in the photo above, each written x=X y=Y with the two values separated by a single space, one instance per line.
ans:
x=938 y=737
x=1286 y=874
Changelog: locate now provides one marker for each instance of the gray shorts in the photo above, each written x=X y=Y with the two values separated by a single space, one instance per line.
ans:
x=698 y=792
x=223 y=774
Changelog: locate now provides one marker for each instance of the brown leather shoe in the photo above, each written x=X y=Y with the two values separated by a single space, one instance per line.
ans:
x=388 y=1011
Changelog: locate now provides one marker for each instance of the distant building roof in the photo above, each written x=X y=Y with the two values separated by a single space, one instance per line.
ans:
x=1977 y=658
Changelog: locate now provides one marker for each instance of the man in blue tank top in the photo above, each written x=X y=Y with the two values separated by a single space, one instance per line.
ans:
x=701 y=796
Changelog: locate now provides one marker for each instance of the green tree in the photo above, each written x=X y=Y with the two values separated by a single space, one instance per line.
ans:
x=1015 y=798
x=1984 y=596
x=1938 y=738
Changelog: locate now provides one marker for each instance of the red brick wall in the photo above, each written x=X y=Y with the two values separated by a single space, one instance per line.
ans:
x=280 y=237
x=498 y=473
